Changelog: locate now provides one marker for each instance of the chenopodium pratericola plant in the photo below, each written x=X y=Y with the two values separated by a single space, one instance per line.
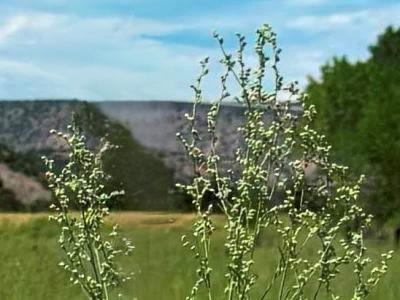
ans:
x=80 y=205
x=320 y=212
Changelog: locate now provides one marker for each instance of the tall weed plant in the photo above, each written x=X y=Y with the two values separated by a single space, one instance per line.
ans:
x=271 y=163
x=81 y=204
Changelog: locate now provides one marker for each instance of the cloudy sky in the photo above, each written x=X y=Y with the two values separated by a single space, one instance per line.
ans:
x=149 y=49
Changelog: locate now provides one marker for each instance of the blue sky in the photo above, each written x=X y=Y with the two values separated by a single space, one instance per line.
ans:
x=148 y=50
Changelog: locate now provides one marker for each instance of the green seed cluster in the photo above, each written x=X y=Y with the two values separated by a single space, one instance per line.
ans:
x=273 y=162
x=89 y=256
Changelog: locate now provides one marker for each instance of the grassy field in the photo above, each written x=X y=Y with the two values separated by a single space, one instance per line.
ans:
x=163 y=269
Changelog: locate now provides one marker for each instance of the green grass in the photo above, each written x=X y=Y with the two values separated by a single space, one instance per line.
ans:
x=163 y=269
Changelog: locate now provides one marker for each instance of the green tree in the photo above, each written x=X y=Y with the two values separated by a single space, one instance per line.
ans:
x=387 y=49
x=359 y=107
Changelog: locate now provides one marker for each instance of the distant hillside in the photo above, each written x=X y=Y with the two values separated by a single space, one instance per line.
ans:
x=24 y=128
x=155 y=124
x=150 y=159
x=20 y=181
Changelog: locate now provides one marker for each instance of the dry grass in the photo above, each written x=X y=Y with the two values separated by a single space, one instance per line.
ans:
x=20 y=218
x=151 y=219
x=140 y=219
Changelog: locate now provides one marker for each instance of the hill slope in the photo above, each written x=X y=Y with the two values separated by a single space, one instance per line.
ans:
x=150 y=158
x=155 y=124
x=25 y=125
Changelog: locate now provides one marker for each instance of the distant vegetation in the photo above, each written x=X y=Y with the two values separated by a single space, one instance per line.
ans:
x=358 y=108
x=26 y=163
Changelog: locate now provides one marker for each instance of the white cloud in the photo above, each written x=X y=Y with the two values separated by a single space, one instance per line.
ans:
x=329 y=22
x=49 y=25
x=299 y=61
x=362 y=19
x=19 y=23
x=348 y=33
x=112 y=57
x=106 y=57
x=23 y=69
x=12 y=26
x=93 y=58
x=26 y=80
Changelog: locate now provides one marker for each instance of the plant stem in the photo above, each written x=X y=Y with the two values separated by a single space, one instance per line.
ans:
x=283 y=281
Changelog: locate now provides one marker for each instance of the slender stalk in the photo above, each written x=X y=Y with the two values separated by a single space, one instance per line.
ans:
x=283 y=281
